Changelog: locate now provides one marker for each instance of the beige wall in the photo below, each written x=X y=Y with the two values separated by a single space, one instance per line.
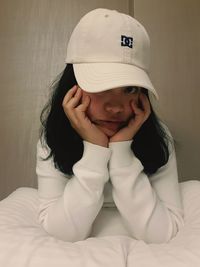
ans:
x=174 y=29
x=33 y=38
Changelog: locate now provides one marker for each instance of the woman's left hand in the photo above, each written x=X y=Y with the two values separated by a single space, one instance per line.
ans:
x=141 y=114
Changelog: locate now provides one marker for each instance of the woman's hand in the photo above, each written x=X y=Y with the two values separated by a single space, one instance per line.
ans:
x=75 y=109
x=140 y=116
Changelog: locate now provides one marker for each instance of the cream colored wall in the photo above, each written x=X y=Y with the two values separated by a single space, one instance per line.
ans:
x=33 y=41
x=34 y=37
x=174 y=29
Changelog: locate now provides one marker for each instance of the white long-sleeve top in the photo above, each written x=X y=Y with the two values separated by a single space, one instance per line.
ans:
x=113 y=177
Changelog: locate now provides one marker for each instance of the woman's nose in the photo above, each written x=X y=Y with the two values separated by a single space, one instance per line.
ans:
x=114 y=107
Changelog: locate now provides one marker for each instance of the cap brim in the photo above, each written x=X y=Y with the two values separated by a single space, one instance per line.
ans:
x=98 y=77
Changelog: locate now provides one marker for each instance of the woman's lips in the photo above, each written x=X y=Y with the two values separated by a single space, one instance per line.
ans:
x=111 y=125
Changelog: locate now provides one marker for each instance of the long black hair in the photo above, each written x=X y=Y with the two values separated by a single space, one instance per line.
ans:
x=150 y=144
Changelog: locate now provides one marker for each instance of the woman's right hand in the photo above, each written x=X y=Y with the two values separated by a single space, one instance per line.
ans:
x=75 y=109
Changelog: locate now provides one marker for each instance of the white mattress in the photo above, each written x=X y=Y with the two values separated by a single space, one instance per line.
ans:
x=23 y=243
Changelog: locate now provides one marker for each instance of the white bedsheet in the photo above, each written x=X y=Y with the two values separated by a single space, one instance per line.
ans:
x=23 y=243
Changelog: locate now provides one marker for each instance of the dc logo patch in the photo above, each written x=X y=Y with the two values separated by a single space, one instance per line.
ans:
x=126 y=41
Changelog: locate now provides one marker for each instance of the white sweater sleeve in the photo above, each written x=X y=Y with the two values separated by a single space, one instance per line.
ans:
x=68 y=207
x=150 y=207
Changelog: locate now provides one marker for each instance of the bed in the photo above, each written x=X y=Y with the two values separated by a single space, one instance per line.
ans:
x=23 y=243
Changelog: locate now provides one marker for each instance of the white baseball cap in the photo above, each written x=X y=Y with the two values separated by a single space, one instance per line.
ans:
x=109 y=49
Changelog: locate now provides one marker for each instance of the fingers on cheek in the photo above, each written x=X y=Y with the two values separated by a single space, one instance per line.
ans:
x=74 y=119
x=64 y=101
x=145 y=101
x=147 y=108
x=137 y=111
x=145 y=105
x=133 y=106
x=147 y=114
x=86 y=99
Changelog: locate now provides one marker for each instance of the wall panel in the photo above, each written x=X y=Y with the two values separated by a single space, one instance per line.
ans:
x=33 y=38
x=173 y=26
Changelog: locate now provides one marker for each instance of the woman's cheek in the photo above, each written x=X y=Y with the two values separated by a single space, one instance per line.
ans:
x=135 y=98
x=89 y=112
x=91 y=108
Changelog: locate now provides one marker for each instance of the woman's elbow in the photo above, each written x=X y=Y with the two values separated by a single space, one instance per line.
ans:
x=163 y=233
x=62 y=232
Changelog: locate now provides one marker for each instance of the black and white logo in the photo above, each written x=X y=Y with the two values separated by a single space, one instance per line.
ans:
x=126 y=41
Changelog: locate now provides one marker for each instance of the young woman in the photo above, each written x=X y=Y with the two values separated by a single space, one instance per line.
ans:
x=106 y=165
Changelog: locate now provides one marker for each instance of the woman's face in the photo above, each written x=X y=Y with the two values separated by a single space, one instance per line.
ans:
x=111 y=110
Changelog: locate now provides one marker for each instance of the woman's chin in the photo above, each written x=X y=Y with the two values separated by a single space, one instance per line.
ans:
x=108 y=132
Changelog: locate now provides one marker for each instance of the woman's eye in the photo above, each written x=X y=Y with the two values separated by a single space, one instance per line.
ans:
x=131 y=89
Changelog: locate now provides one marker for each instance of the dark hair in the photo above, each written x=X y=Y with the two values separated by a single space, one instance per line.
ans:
x=66 y=147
